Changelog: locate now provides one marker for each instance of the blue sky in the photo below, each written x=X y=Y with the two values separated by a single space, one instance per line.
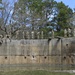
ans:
x=70 y=3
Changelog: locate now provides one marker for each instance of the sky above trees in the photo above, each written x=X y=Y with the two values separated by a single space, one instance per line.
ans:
x=70 y=3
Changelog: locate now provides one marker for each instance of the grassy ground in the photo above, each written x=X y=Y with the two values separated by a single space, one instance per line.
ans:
x=34 y=73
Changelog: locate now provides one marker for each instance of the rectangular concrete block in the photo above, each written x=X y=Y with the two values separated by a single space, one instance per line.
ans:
x=4 y=60
x=55 y=47
x=44 y=59
x=33 y=59
x=54 y=59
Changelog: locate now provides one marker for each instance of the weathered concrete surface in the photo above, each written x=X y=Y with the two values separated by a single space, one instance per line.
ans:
x=41 y=53
x=55 y=47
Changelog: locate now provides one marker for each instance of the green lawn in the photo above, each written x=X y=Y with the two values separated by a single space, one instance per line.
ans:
x=34 y=73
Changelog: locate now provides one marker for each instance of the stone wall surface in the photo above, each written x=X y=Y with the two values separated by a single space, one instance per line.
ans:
x=37 y=53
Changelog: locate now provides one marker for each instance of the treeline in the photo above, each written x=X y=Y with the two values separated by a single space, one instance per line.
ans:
x=36 y=15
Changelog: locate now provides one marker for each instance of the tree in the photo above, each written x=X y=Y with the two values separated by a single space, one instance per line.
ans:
x=64 y=13
x=0 y=1
x=34 y=14
x=72 y=21
x=61 y=19
x=4 y=17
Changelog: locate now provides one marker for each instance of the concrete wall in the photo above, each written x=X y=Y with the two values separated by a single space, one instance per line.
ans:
x=42 y=51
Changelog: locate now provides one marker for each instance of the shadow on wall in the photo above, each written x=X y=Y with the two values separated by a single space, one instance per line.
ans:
x=1 y=42
x=55 y=51
x=55 y=46
x=72 y=48
x=69 y=58
x=68 y=55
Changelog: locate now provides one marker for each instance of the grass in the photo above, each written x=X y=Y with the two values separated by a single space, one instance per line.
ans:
x=37 y=72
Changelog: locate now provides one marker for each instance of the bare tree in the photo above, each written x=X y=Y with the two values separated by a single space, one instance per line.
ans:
x=6 y=12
